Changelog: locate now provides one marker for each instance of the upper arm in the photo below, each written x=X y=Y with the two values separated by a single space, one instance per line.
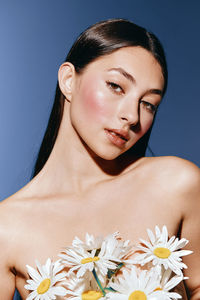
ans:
x=190 y=193
x=7 y=277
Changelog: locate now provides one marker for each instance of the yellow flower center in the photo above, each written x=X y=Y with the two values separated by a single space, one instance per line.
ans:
x=91 y=295
x=158 y=289
x=162 y=252
x=137 y=295
x=44 y=286
x=89 y=259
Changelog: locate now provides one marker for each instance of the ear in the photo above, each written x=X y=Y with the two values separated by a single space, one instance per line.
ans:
x=66 y=76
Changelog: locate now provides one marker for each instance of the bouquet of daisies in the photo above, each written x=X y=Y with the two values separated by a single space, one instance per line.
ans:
x=110 y=268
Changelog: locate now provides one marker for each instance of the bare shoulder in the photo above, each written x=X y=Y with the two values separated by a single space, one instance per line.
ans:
x=172 y=175
x=8 y=231
x=176 y=175
x=10 y=213
x=179 y=164
x=8 y=244
x=172 y=167
x=13 y=221
x=183 y=173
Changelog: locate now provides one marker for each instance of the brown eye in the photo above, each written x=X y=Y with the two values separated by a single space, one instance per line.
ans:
x=149 y=107
x=116 y=88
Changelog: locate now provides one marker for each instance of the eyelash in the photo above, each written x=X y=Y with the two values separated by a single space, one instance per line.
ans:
x=150 y=107
x=113 y=86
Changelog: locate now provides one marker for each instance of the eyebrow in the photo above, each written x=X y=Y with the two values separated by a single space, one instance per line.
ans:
x=132 y=80
x=124 y=73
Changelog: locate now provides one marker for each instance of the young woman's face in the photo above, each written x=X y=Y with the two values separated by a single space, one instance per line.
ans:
x=114 y=100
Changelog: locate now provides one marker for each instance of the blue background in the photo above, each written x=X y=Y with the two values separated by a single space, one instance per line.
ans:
x=35 y=38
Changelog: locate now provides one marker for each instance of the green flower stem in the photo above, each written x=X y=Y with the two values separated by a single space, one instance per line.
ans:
x=110 y=289
x=120 y=266
x=98 y=282
x=111 y=272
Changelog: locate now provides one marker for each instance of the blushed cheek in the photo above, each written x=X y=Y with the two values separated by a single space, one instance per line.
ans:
x=95 y=104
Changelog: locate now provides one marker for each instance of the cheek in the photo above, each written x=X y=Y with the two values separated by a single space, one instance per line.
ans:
x=146 y=122
x=95 y=103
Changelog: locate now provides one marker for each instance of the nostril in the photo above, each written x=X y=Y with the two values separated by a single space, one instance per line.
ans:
x=135 y=127
x=129 y=117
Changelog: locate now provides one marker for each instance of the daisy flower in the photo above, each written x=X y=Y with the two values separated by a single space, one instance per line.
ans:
x=91 y=242
x=118 y=251
x=83 y=261
x=44 y=279
x=115 y=245
x=162 y=251
x=167 y=284
x=101 y=259
x=117 y=248
x=82 y=289
x=135 y=285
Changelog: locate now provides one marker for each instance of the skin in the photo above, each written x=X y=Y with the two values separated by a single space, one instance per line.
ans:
x=89 y=185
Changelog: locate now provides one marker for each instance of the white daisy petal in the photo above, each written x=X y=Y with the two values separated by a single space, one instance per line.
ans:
x=157 y=230
x=31 y=287
x=58 y=290
x=116 y=296
x=57 y=267
x=42 y=285
x=41 y=269
x=147 y=244
x=173 y=282
x=174 y=295
x=183 y=252
x=58 y=277
x=33 y=273
x=163 y=251
x=32 y=295
x=171 y=240
x=151 y=236
x=182 y=243
x=164 y=234
x=133 y=283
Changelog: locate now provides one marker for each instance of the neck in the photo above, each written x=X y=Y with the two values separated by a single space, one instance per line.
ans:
x=71 y=166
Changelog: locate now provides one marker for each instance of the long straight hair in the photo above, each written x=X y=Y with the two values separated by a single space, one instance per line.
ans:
x=101 y=39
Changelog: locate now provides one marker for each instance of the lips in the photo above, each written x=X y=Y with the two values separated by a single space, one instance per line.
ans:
x=118 y=137
x=121 y=133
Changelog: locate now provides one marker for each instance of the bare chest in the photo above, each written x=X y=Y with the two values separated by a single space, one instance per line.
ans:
x=52 y=224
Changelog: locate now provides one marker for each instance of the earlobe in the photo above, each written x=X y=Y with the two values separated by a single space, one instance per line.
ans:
x=65 y=78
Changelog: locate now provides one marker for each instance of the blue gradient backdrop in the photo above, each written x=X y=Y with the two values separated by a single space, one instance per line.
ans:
x=35 y=38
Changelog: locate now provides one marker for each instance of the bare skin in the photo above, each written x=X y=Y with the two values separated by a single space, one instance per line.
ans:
x=87 y=185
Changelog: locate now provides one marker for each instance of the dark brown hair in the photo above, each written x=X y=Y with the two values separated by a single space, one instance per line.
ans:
x=100 y=39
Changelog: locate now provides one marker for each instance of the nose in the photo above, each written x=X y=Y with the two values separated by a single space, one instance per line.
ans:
x=129 y=112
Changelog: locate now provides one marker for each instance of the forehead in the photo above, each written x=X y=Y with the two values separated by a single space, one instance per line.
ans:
x=137 y=61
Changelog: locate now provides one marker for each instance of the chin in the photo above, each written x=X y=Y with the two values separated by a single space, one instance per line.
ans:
x=108 y=155
x=105 y=152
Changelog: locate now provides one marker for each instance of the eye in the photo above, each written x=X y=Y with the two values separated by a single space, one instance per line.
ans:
x=149 y=107
x=116 y=88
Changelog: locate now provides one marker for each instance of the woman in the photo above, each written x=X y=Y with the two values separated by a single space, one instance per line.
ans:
x=91 y=174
